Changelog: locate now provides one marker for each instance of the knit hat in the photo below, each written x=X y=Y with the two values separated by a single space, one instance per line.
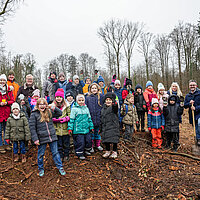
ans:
x=117 y=82
x=69 y=93
x=161 y=86
x=36 y=92
x=149 y=83
x=11 y=72
x=138 y=86
x=61 y=74
x=79 y=96
x=53 y=73
x=75 y=77
x=110 y=95
x=154 y=100
x=88 y=78
x=15 y=105
x=100 y=79
x=129 y=96
x=128 y=82
x=59 y=93
x=172 y=98
x=21 y=97
x=3 y=76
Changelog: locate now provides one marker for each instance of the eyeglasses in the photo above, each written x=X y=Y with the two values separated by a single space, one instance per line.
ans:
x=42 y=104
x=193 y=85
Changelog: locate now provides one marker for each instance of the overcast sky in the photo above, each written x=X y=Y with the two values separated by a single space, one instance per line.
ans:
x=47 y=28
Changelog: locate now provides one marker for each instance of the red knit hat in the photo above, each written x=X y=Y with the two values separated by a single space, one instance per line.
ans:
x=59 y=93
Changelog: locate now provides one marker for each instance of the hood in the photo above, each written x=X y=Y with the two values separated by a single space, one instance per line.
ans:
x=173 y=97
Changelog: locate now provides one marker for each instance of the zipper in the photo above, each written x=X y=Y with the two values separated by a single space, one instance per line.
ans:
x=48 y=131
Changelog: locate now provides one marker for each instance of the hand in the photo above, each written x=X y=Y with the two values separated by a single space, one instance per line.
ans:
x=191 y=101
x=70 y=132
x=92 y=131
x=8 y=141
x=181 y=104
x=37 y=142
x=192 y=108
x=163 y=128
x=149 y=128
x=3 y=103
x=56 y=120
x=144 y=106
x=63 y=120
x=137 y=122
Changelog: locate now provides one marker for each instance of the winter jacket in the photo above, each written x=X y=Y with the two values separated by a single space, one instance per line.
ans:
x=94 y=108
x=104 y=89
x=80 y=120
x=110 y=124
x=118 y=93
x=76 y=89
x=26 y=110
x=26 y=91
x=15 y=86
x=125 y=92
x=43 y=131
x=174 y=93
x=172 y=113
x=6 y=110
x=196 y=98
x=17 y=129
x=139 y=102
x=61 y=128
x=148 y=96
x=155 y=119
x=63 y=85
x=160 y=99
x=130 y=116
x=50 y=87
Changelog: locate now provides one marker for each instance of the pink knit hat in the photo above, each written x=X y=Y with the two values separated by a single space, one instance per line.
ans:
x=59 y=93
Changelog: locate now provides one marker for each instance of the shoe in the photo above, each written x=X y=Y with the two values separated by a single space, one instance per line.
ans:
x=100 y=148
x=87 y=153
x=82 y=157
x=138 y=130
x=16 y=157
x=143 y=130
x=62 y=171
x=8 y=148
x=198 y=142
x=2 y=150
x=113 y=155
x=92 y=150
x=107 y=154
x=41 y=173
x=66 y=158
x=23 y=158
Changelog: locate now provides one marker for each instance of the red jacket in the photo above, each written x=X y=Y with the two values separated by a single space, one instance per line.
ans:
x=148 y=96
x=6 y=110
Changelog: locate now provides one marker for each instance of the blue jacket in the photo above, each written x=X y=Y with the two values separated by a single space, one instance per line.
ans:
x=63 y=86
x=155 y=119
x=80 y=120
x=196 y=98
x=118 y=92
x=94 y=108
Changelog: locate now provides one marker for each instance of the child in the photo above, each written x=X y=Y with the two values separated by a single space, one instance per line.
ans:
x=140 y=104
x=6 y=100
x=24 y=106
x=33 y=100
x=128 y=110
x=80 y=125
x=43 y=133
x=110 y=125
x=60 y=125
x=127 y=88
x=118 y=91
x=162 y=95
x=94 y=101
x=156 y=123
x=172 y=113
x=70 y=98
x=149 y=94
x=101 y=83
x=17 y=130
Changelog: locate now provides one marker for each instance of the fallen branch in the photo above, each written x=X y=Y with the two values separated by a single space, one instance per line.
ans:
x=136 y=158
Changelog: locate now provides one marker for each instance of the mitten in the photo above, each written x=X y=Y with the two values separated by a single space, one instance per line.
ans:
x=63 y=120
x=8 y=141
x=149 y=128
x=70 y=132
x=56 y=120
x=92 y=131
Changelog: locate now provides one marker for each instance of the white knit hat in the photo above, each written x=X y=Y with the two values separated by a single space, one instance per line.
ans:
x=3 y=76
x=15 y=105
x=161 y=86
x=21 y=97
x=117 y=82
x=36 y=92
x=75 y=77
x=79 y=96
x=154 y=100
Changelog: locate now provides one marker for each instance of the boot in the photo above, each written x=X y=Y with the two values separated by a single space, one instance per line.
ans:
x=107 y=154
x=113 y=155
x=138 y=127
x=23 y=158
x=16 y=157
x=2 y=150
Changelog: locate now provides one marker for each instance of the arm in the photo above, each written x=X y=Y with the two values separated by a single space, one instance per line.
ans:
x=180 y=110
x=72 y=119
x=33 y=127
x=44 y=89
x=11 y=101
x=115 y=107
x=7 y=132
x=56 y=113
x=149 y=119
x=165 y=111
x=163 y=120
x=187 y=102
x=124 y=94
x=136 y=116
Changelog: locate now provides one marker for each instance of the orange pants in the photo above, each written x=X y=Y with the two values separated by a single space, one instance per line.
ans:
x=156 y=137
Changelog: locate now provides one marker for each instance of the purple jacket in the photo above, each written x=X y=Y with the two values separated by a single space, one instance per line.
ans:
x=94 y=108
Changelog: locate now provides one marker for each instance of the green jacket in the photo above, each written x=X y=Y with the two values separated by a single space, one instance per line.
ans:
x=80 y=120
x=17 y=129
x=61 y=129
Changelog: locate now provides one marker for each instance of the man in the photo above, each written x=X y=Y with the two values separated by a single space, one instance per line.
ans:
x=192 y=101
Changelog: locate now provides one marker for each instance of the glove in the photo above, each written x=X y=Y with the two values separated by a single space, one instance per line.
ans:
x=70 y=132
x=64 y=119
x=163 y=128
x=8 y=141
x=144 y=106
x=92 y=131
x=137 y=122
x=149 y=128
x=56 y=120
x=114 y=103
x=37 y=142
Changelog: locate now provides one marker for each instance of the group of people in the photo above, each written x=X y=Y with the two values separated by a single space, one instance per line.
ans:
x=91 y=112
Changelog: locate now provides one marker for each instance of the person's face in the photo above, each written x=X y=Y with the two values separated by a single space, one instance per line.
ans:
x=155 y=105
x=15 y=111
x=139 y=90
x=59 y=99
x=101 y=83
x=88 y=81
x=29 y=80
x=76 y=81
x=150 y=87
x=117 y=86
x=36 y=97
x=42 y=106
x=174 y=88
x=11 y=77
x=131 y=100
x=22 y=102
x=108 y=102
x=192 y=86
x=70 y=98
x=172 y=102
x=94 y=89
x=2 y=82
x=161 y=92
x=53 y=76
x=61 y=78
x=81 y=101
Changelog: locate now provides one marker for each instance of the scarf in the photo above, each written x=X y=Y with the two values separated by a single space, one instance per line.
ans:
x=3 y=89
x=16 y=117
x=33 y=102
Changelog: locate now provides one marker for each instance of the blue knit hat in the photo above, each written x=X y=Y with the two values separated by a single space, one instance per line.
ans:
x=100 y=79
x=149 y=83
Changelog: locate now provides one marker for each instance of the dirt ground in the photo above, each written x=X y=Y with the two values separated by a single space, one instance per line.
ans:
x=140 y=172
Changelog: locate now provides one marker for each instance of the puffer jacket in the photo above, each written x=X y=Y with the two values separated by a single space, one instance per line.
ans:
x=148 y=96
x=80 y=120
x=43 y=131
x=94 y=108
x=160 y=99
x=130 y=116
x=17 y=129
x=172 y=113
x=110 y=124
x=63 y=85
x=139 y=102
x=61 y=128
x=155 y=119
x=76 y=89
x=15 y=86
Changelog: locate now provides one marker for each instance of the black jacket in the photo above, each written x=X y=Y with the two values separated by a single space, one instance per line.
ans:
x=139 y=102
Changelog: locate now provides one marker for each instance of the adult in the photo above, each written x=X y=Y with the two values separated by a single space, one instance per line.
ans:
x=175 y=90
x=50 y=87
x=62 y=82
x=28 y=87
x=192 y=101
x=12 y=84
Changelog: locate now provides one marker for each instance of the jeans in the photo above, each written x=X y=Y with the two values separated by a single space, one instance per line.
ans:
x=22 y=147
x=197 y=127
x=2 y=128
x=96 y=135
x=63 y=145
x=54 y=150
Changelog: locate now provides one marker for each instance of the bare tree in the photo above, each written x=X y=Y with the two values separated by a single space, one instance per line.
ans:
x=63 y=63
x=73 y=65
